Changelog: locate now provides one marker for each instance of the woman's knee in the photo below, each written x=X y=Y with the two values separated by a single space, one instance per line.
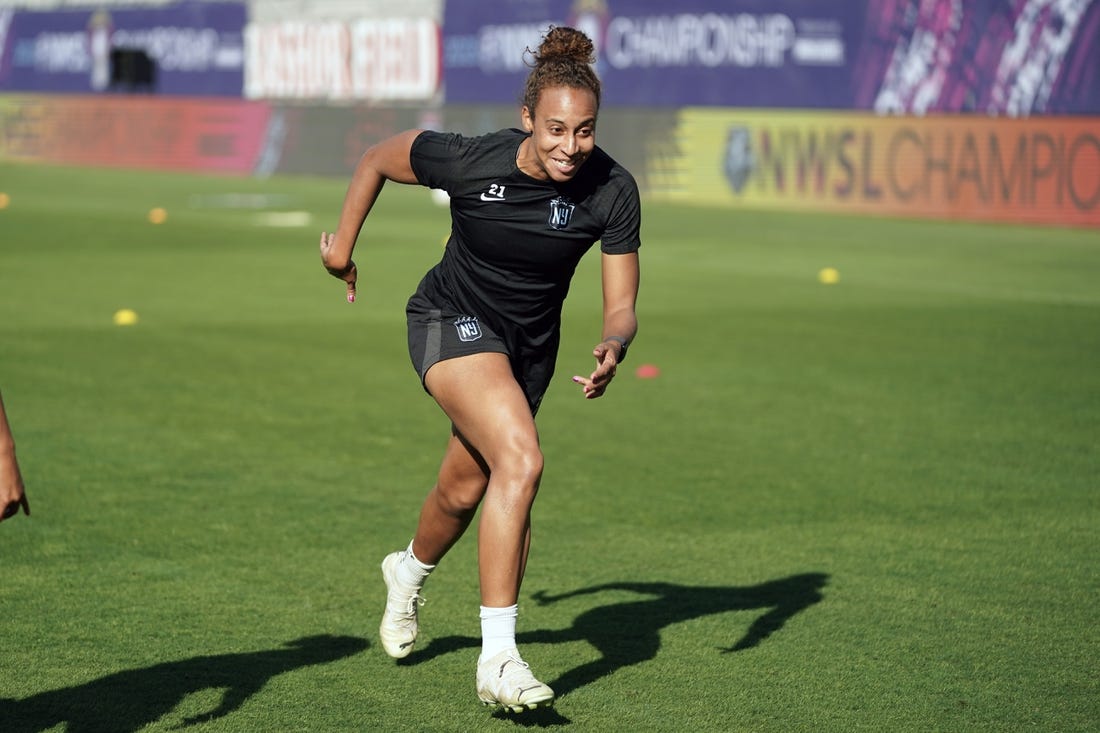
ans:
x=460 y=498
x=519 y=469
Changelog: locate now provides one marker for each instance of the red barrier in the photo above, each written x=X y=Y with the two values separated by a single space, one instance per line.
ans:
x=134 y=132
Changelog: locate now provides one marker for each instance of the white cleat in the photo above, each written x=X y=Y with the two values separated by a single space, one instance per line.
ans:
x=506 y=682
x=399 y=625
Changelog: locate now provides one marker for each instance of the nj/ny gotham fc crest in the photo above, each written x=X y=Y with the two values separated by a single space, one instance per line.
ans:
x=739 y=161
x=468 y=328
x=561 y=211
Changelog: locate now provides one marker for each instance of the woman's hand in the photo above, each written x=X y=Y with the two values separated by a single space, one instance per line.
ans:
x=342 y=270
x=607 y=361
x=12 y=494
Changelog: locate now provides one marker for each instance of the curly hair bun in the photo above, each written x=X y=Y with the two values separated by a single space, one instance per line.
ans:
x=565 y=44
x=565 y=58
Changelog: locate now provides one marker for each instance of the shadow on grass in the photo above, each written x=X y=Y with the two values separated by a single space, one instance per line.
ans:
x=131 y=700
x=628 y=632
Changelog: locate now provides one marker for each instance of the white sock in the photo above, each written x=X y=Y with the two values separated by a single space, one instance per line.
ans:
x=412 y=572
x=498 y=630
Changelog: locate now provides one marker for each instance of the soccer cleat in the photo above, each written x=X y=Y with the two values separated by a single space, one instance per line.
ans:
x=505 y=681
x=399 y=626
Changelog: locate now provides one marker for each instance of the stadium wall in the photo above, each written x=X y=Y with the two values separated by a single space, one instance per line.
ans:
x=785 y=105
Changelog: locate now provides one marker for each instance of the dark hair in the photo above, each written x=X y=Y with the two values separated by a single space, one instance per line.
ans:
x=564 y=59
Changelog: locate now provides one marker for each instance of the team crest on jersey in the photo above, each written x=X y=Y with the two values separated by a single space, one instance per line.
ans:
x=561 y=211
x=468 y=328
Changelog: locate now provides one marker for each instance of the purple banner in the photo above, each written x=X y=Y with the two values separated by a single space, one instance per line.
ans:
x=185 y=48
x=1012 y=57
x=1001 y=57
x=782 y=53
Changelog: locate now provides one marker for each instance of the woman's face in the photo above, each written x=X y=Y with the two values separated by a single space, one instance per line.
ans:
x=563 y=134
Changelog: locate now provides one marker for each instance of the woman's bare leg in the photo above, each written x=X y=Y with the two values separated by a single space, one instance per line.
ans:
x=451 y=505
x=491 y=413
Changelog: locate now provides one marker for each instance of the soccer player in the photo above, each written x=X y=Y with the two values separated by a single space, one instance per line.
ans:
x=12 y=493
x=484 y=328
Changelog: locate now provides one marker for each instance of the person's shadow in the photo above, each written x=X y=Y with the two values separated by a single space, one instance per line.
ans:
x=628 y=633
x=131 y=700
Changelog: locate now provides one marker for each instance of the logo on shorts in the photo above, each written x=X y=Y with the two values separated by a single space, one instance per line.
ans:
x=468 y=328
x=561 y=211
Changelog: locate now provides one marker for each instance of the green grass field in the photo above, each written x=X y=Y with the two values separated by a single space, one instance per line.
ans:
x=867 y=506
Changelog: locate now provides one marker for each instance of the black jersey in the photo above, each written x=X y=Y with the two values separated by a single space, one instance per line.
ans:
x=515 y=241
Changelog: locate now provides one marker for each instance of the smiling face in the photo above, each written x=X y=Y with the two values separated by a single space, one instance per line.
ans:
x=563 y=134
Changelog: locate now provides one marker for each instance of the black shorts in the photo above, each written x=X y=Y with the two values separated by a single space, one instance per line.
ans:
x=435 y=335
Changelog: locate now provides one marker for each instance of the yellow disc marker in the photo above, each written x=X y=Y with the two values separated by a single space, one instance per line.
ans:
x=125 y=317
x=5 y=200
x=829 y=276
x=157 y=216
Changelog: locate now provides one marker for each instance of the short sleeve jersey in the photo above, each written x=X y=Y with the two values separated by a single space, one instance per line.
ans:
x=515 y=240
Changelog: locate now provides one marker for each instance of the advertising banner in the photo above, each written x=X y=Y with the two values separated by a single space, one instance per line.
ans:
x=367 y=59
x=130 y=132
x=184 y=48
x=1000 y=57
x=754 y=52
x=1042 y=171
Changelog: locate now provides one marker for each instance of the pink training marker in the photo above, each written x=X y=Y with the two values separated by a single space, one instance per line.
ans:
x=647 y=371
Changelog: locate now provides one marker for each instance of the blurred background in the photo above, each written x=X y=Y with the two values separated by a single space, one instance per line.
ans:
x=984 y=109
